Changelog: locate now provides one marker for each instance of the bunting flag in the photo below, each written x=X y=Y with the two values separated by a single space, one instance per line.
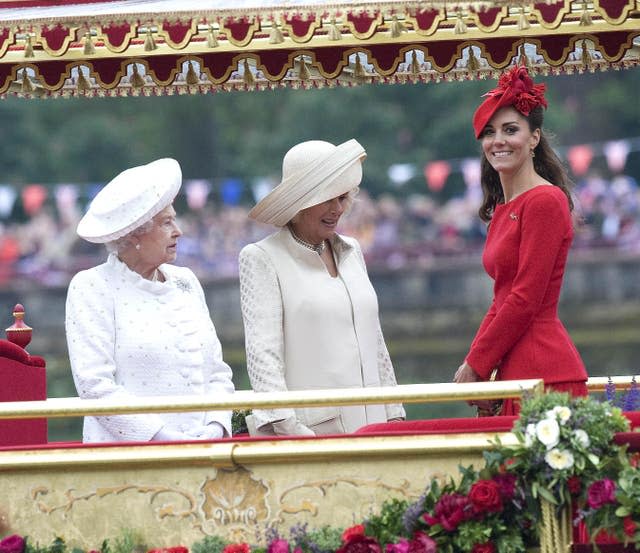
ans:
x=8 y=197
x=231 y=191
x=436 y=174
x=260 y=187
x=33 y=198
x=400 y=173
x=197 y=192
x=66 y=196
x=616 y=153
x=580 y=159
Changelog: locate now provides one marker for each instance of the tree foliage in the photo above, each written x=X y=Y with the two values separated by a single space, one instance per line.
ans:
x=246 y=134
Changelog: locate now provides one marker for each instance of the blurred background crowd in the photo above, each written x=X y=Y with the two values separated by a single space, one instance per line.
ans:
x=38 y=242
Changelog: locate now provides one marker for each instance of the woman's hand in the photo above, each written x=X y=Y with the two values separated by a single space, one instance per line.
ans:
x=212 y=431
x=465 y=374
x=291 y=427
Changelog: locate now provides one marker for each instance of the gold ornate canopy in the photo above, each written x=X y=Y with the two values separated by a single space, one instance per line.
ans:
x=155 y=47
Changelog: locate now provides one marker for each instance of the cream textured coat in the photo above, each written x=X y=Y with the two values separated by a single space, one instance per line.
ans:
x=128 y=336
x=305 y=329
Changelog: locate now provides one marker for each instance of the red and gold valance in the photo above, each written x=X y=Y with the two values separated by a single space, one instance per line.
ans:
x=91 y=47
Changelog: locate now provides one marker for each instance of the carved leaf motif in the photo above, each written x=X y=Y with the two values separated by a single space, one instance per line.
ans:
x=234 y=496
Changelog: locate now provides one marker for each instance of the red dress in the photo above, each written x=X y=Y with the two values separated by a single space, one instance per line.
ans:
x=525 y=254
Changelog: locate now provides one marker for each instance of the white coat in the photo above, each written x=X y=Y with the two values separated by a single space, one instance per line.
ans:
x=128 y=336
x=307 y=330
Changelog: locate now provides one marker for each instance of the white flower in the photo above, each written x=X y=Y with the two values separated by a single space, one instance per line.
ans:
x=582 y=437
x=559 y=412
x=548 y=432
x=559 y=459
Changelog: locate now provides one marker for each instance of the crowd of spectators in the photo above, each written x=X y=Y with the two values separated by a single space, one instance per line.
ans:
x=395 y=232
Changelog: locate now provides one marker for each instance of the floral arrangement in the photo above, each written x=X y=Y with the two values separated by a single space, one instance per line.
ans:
x=565 y=455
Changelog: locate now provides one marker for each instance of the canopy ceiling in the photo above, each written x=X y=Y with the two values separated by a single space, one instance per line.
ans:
x=153 y=47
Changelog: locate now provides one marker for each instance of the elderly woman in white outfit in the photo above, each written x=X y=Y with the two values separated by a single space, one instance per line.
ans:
x=310 y=312
x=137 y=325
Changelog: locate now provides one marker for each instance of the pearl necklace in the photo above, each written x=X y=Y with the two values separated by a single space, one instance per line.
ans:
x=318 y=248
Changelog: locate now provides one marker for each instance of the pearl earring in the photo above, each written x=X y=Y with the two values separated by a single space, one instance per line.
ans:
x=137 y=246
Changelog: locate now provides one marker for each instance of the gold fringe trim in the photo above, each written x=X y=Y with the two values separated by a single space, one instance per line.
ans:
x=275 y=36
x=461 y=26
x=473 y=64
x=523 y=20
x=587 y=60
x=415 y=66
x=82 y=84
x=524 y=59
x=212 y=41
x=303 y=70
x=247 y=77
x=397 y=27
x=28 y=48
x=585 y=17
x=136 y=80
x=334 y=31
x=358 y=70
x=149 y=42
x=192 y=77
x=26 y=85
x=89 y=48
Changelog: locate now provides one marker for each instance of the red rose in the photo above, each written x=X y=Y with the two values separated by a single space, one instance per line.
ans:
x=12 y=544
x=606 y=538
x=507 y=485
x=357 y=530
x=237 y=548
x=485 y=497
x=450 y=510
x=575 y=485
x=359 y=543
x=421 y=543
x=629 y=526
x=486 y=547
x=601 y=492
x=278 y=546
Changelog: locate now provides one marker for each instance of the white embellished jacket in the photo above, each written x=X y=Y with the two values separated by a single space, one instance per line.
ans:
x=305 y=329
x=128 y=336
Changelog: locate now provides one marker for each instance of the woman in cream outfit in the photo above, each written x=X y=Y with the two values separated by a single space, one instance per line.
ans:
x=310 y=312
x=137 y=325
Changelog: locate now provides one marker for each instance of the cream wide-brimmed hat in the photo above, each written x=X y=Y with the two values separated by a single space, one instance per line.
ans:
x=131 y=199
x=312 y=172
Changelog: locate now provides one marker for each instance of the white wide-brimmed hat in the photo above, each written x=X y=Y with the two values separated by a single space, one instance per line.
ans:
x=131 y=199
x=312 y=172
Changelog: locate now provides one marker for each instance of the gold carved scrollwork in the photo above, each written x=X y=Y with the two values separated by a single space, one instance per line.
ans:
x=162 y=511
x=234 y=496
x=291 y=506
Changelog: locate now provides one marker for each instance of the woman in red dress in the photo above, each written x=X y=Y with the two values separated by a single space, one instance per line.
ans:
x=528 y=203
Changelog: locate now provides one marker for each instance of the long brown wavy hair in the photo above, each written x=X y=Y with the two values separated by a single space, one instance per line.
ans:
x=546 y=163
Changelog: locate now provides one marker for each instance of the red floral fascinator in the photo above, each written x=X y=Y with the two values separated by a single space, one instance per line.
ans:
x=515 y=88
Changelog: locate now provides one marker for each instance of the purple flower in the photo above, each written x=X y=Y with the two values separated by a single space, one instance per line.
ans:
x=12 y=544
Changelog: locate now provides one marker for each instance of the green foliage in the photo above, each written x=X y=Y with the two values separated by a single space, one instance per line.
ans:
x=245 y=135
x=388 y=525
x=209 y=544
x=323 y=540
x=239 y=421
x=128 y=541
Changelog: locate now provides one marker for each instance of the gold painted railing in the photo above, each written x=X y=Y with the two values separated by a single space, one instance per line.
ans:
x=245 y=399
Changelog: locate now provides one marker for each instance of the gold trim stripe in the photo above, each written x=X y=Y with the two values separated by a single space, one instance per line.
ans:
x=243 y=399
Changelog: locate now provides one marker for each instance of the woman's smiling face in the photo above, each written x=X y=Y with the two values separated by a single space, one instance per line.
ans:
x=507 y=141
x=319 y=222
